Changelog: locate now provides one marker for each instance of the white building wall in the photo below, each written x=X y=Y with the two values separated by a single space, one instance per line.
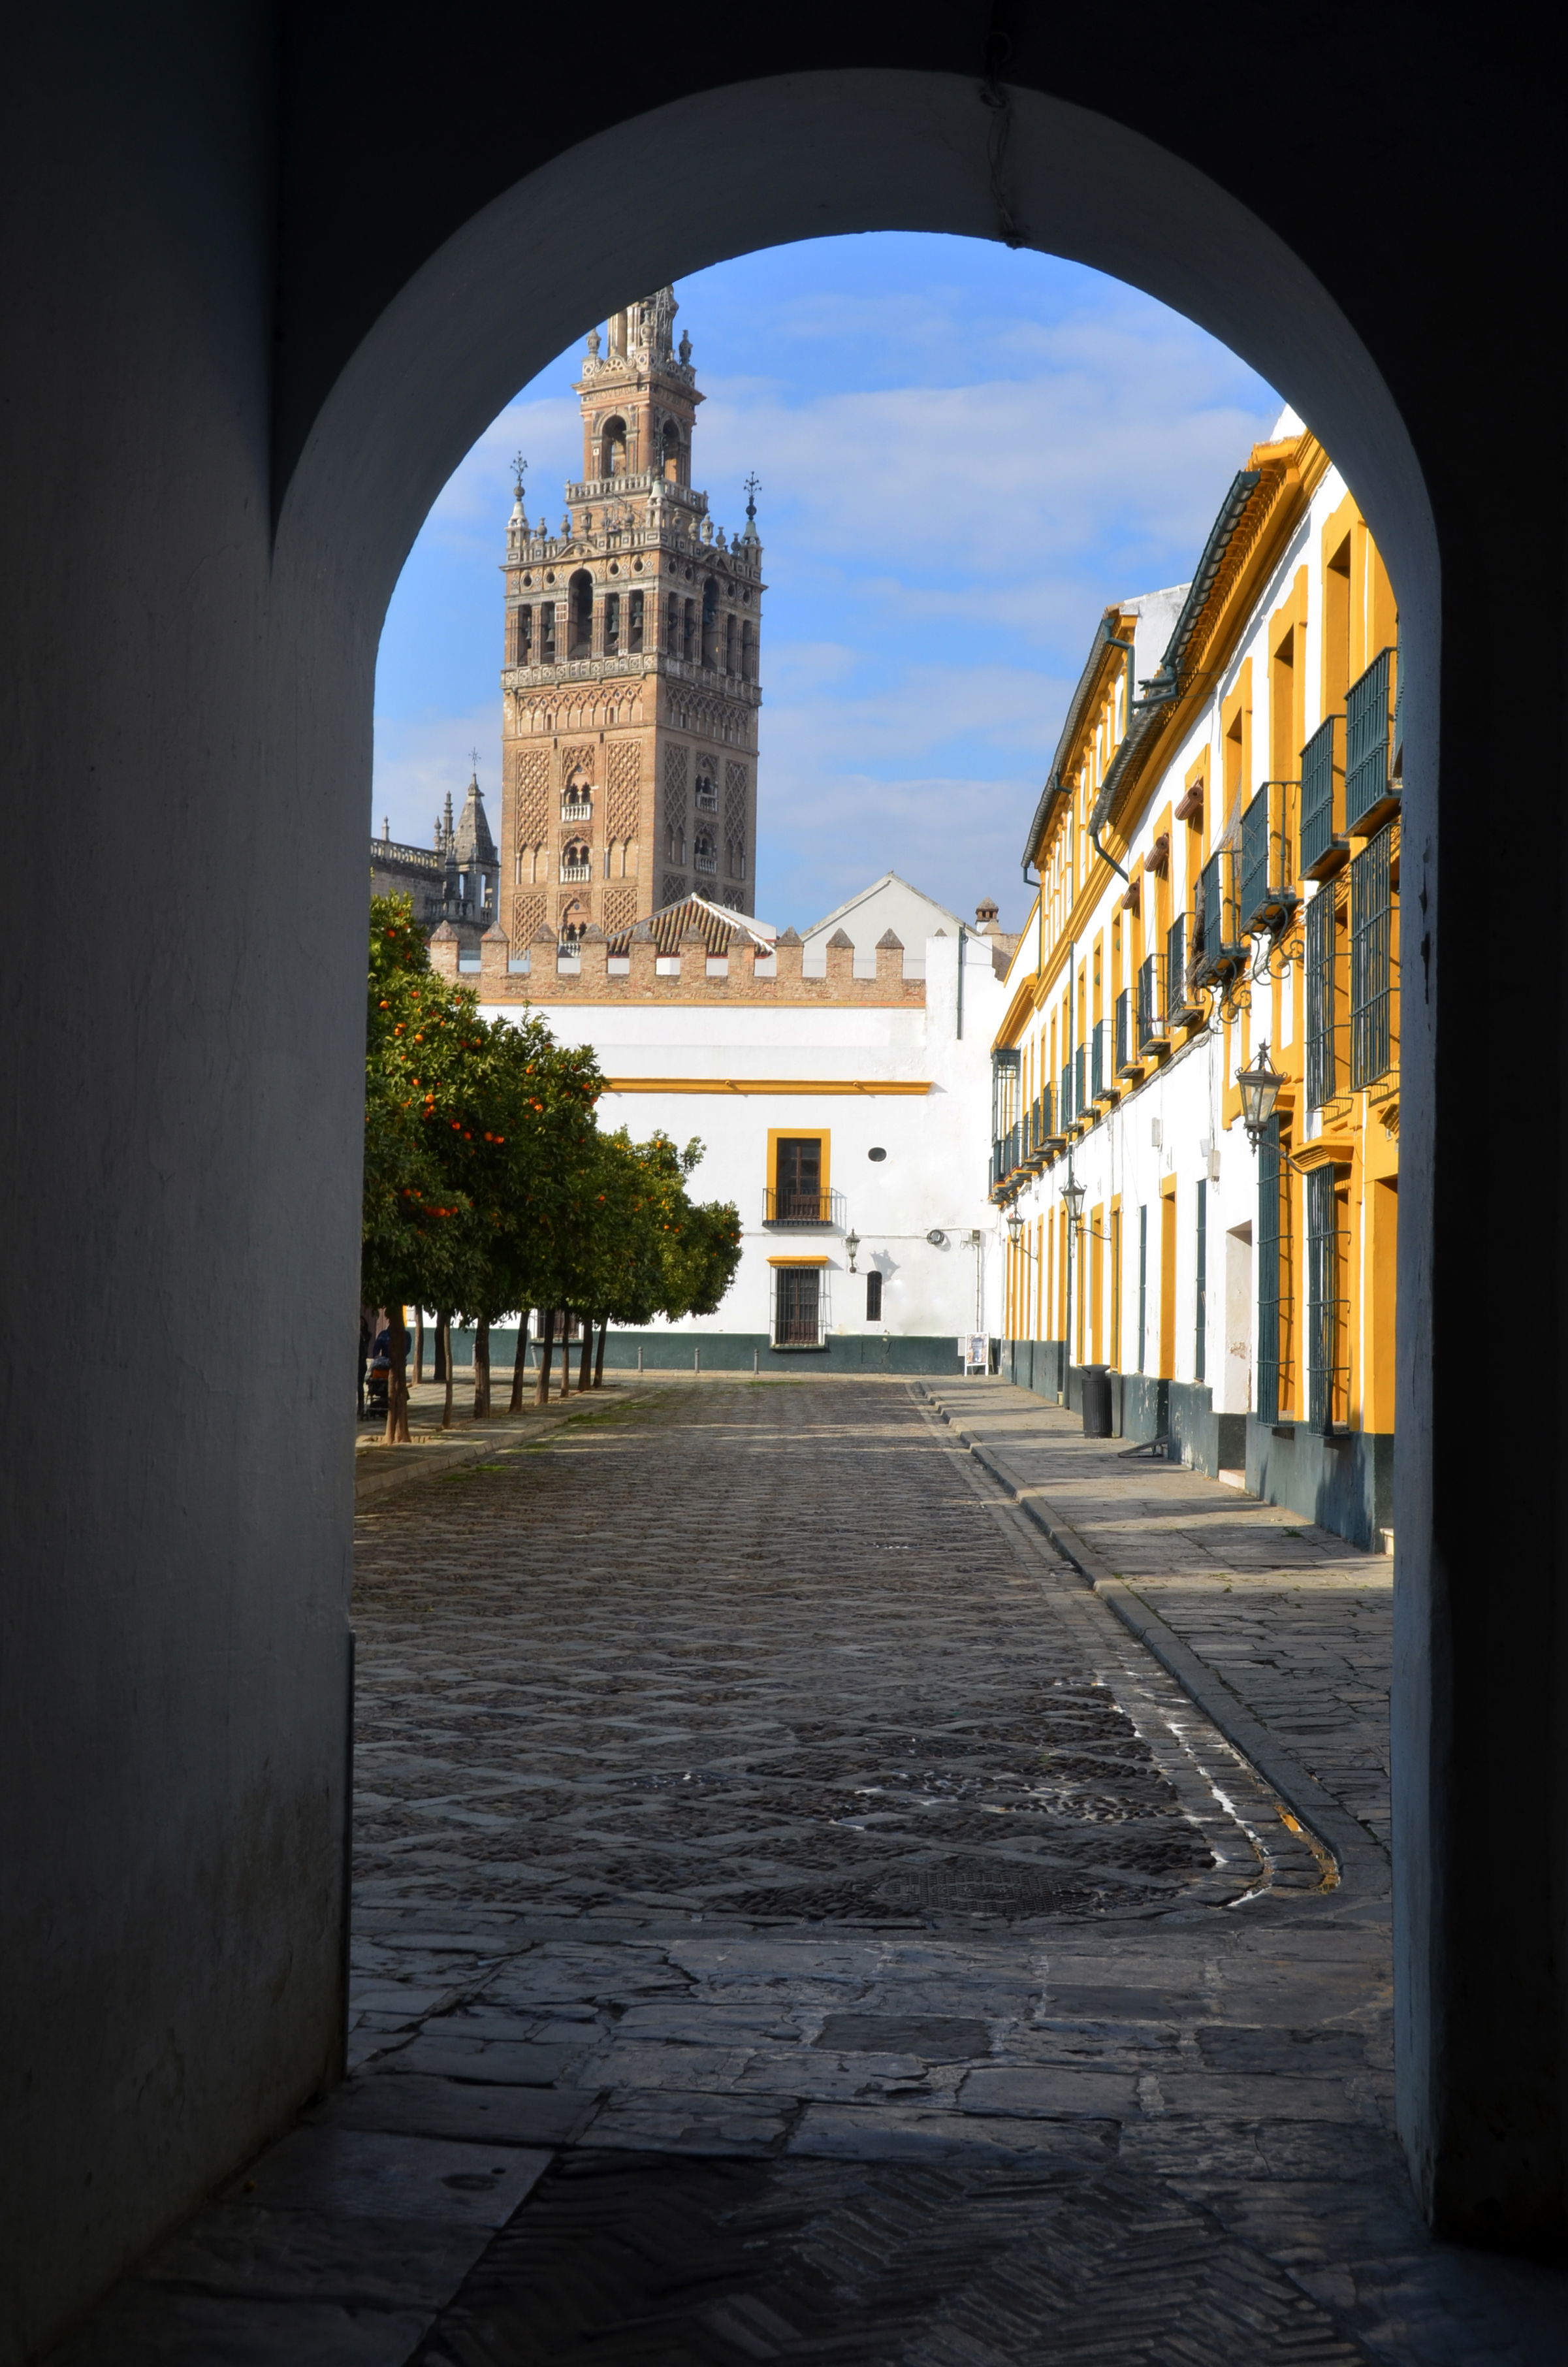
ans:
x=932 y=1179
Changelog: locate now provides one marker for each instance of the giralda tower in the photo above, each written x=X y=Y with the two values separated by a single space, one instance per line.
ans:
x=630 y=686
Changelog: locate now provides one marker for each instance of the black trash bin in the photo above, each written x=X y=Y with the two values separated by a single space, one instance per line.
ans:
x=1096 y=1401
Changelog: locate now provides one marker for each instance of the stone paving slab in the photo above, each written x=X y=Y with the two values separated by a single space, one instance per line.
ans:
x=921 y=1976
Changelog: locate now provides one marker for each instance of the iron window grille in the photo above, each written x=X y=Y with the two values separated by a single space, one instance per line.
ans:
x=1273 y=1275
x=873 y=1295
x=1065 y=1093
x=1373 y=961
x=1321 y=933
x=800 y=1306
x=1326 y=1378
x=1005 y=1073
x=1098 y=1081
x=1080 y=1081
x=1152 y=1027
x=1143 y=1282
x=1323 y=841
x=1369 y=790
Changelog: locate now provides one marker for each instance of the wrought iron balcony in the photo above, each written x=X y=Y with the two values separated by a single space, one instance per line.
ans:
x=1265 y=896
x=785 y=1210
x=577 y=871
x=1154 y=1030
x=1371 y=794
x=1065 y=1107
x=1323 y=842
x=1374 y=961
x=1184 y=1005
x=1081 y=1105
x=1127 y=1064
x=1219 y=948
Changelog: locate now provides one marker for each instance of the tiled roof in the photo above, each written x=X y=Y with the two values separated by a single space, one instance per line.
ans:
x=713 y=923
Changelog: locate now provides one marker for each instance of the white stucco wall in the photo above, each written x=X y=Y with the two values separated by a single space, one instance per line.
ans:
x=933 y=1178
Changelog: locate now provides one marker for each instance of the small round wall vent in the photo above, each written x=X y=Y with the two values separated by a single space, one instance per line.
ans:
x=937 y=1238
x=876 y=1154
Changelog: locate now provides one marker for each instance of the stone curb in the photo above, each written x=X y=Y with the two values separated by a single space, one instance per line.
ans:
x=1355 y=1851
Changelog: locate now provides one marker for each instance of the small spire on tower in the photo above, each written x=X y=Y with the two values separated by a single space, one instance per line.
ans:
x=753 y=487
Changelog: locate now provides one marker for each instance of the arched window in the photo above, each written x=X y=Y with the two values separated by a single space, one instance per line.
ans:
x=874 y=1296
x=577 y=798
x=612 y=623
x=673 y=627
x=710 y=623
x=612 y=448
x=707 y=851
x=670 y=452
x=706 y=786
x=575 y=863
x=730 y=644
x=689 y=631
x=634 y=621
x=523 y=636
x=748 y=651
x=547 y=638
x=674 y=843
x=580 y=612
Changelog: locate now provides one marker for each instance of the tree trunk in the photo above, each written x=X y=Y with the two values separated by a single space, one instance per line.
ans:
x=519 y=1363
x=546 y=1349
x=418 y=1344
x=585 y=1362
x=441 y=1366
x=481 y=1368
x=599 y=1355
x=397 y=1379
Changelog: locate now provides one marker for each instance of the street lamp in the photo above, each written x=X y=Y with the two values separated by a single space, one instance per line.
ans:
x=852 y=1243
x=1260 y=1086
x=1015 y=1228
x=1073 y=1195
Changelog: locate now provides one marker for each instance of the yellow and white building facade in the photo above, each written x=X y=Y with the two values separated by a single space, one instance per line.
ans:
x=1217 y=856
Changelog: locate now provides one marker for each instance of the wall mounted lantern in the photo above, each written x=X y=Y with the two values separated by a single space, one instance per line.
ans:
x=852 y=1243
x=1073 y=1195
x=1260 y=1085
x=1015 y=1228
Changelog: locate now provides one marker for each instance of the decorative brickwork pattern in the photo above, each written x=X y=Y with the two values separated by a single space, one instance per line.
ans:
x=573 y=760
x=674 y=887
x=620 y=908
x=625 y=788
x=676 y=769
x=735 y=787
x=533 y=793
x=528 y=914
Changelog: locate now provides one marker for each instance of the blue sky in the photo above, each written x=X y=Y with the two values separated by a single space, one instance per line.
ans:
x=965 y=454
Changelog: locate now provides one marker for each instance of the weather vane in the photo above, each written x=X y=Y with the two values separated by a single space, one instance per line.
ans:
x=519 y=471
x=474 y=760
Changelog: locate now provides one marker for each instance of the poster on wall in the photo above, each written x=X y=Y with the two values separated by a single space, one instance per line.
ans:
x=975 y=1350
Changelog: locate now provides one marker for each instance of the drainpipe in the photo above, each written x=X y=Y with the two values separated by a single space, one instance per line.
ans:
x=962 y=933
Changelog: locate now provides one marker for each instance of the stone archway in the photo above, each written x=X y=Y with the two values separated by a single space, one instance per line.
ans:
x=306 y=265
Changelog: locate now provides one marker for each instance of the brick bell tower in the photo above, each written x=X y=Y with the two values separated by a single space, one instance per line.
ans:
x=630 y=685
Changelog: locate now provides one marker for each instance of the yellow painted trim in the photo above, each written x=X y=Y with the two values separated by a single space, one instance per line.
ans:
x=762 y=1085
x=785 y=1261
x=777 y=1134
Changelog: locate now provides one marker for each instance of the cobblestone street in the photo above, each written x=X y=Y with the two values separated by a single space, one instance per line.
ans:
x=799 y=1918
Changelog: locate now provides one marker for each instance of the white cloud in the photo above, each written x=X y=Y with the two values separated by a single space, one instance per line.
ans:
x=423 y=759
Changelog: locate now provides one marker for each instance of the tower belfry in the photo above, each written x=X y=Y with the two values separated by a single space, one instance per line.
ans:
x=630 y=682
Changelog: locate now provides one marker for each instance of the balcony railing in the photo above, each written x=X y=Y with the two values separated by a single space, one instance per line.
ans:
x=1065 y=1104
x=577 y=810
x=1373 y=962
x=782 y=1209
x=1218 y=949
x=1153 y=1028
x=1098 y=1083
x=1371 y=791
x=577 y=871
x=1184 y=1006
x=1266 y=894
x=704 y=860
x=1323 y=841
x=1127 y=1064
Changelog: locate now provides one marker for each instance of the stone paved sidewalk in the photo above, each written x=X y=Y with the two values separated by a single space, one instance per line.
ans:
x=800 y=1919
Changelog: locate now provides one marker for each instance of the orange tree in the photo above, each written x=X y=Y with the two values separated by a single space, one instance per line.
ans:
x=479 y=1146
x=649 y=1249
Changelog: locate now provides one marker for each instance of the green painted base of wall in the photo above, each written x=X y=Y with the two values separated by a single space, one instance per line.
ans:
x=1343 y=1483
x=731 y=1351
